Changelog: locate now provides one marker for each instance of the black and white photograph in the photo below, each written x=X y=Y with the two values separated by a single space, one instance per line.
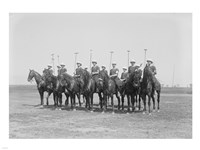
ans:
x=100 y=76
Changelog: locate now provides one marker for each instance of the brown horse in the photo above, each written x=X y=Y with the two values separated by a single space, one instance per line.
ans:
x=113 y=90
x=149 y=85
x=41 y=86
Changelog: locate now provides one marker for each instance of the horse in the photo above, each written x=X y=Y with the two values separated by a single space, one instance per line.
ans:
x=113 y=90
x=149 y=85
x=102 y=86
x=41 y=86
x=75 y=86
x=130 y=89
x=59 y=90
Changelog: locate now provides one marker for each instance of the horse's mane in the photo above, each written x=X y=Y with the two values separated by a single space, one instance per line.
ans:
x=86 y=78
x=67 y=76
x=105 y=78
x=36 y=73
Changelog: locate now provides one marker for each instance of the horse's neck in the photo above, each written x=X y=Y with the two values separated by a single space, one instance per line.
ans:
x=37 y=77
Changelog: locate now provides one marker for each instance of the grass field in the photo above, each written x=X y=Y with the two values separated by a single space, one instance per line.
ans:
x=26 y=120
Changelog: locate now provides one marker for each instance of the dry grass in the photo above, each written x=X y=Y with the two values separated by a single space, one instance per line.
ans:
x=28 y=121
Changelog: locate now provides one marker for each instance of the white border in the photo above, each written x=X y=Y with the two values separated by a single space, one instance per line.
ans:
x=96 y=6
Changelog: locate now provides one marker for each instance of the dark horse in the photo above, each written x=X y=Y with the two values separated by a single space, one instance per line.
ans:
x=113 y=90
x=41 y=86
x=130 y=89
x=149 y=85
x=59 y=90
x=102 y=86
x=75 y=86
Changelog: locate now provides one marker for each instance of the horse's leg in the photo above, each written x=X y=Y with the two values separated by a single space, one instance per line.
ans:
x=123 y=101
x=79 y=99
x=60 y=99
x=158 y=100
x=149 y=103
x=74 y=102
x=144 y=102
x=133 y=102
x=153 y=99
x=91 y=99
x=41 y=97
x=128 y=101
x=118 y=98
x=47 y=98
x=139 y=99
x=112 y=102
x=101 y=101
x=105 y=101
x=67 y=99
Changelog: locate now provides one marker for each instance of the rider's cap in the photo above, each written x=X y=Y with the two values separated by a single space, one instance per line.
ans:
x=79 y=63
x=62 y=64
x=49 y=65
x=94 y=61
x=125 y=68
x=149 y=60
x=114 y=63
x=132 y=61
x=103 y=66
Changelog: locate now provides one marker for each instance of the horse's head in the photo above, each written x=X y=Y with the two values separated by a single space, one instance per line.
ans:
x=65 y=79
x=135 y=78
x=30 y=75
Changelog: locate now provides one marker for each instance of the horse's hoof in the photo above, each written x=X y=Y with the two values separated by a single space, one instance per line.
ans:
x=127 y=113
x=154 y=110
x=136 y=109
x=143 y=113
x=91 y=111
x=113 y=112
x=149 y=114
x=74 y=109
x=158 y=110
x=102 y=112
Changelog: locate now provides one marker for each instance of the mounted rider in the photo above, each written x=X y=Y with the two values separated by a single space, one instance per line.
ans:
x=152 y=69
x=131 y=68
x=95 y=72
x=62 y=69
x=104 y=69
x=47 y=74
x=114 y=74
x=78 y=72
x=124 y=74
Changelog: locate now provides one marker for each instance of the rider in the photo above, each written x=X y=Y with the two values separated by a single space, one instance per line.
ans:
x=114 y=74
x=153 y=70
x=63 y=69
x=47 y=73
x=131 y=68
x=152 y=67
x=124 y=74
x=95 y=72
x=79 y=70
x=104 y=69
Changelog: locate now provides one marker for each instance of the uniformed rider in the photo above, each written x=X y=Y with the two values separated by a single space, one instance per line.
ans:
x=104 y=69
x=62 y=69
x=79 y=70
x=124 y=74
x=95 y=72
x=114 y=74
x=131 y=68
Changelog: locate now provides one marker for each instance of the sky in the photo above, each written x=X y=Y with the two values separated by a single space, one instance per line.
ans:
x=167 y=38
